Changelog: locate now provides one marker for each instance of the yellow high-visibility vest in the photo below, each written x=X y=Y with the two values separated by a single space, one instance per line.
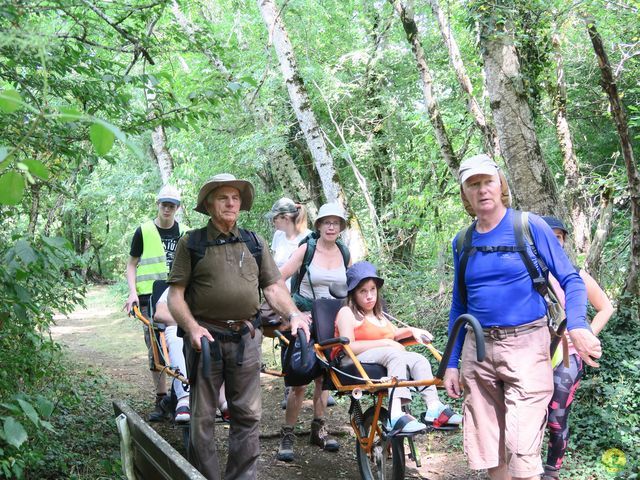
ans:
x=153 y=262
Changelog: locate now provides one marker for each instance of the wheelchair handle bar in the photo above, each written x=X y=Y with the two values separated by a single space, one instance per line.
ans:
x=453 y=335
x=206 y=356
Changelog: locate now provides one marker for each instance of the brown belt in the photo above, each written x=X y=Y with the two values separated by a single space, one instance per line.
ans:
x=500 y=333
x=233 y=325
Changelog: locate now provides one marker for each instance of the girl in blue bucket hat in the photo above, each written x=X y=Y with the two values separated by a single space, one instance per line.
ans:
x=374 y=339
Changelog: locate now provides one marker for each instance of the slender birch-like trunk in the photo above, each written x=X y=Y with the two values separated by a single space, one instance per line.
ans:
x=487 y=130
x=632 y=286
x=411 y=30
x=573 y=194
x=163 y=157
x=284 y=168
x=301 y=104
x=594 y=257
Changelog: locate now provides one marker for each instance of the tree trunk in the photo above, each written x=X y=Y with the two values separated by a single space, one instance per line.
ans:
x=531 y=182
x=282 y=165
x=306 y=118
x=594 y=257
x=632 y=287
x=411 y=30
x=574 y=194
x=34 y=211
x=161 y=153
x=487 y=130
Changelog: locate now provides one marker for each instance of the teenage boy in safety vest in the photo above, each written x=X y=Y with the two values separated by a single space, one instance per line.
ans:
x=151 y=255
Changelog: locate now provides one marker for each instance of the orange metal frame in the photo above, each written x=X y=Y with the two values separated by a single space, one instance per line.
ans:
x=156 y=347
x=377 y=388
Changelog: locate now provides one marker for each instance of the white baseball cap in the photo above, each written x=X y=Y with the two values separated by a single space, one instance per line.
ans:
x=168 y=193
x=477 y=165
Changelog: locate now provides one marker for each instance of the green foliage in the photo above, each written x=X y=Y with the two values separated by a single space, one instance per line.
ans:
x=36 y=280
x=606 y=410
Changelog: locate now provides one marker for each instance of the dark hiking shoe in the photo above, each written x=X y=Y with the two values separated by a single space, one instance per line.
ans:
x=551 y=473
x=162 y=410
x=320 y=436
x=287 y=439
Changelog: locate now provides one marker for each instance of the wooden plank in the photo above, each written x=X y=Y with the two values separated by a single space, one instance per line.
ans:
x=153 y=457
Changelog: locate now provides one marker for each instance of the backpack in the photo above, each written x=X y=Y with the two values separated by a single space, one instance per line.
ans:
x=198 y=244
x=304 y=304
x=539 y=274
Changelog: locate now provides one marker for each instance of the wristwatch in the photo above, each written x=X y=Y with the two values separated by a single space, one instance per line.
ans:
x=291 y=315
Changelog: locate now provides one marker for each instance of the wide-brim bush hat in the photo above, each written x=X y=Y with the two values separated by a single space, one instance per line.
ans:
x=482 y=164
x=360 y=271
x=247 y=192
x=555 y=222
x=170 y=194
x=331 y=210
x=284 y=205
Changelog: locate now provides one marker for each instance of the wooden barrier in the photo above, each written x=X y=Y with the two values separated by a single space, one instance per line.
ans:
x=152 y=457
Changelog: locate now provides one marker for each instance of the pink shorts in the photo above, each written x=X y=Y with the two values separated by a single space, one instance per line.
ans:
x=506 y=399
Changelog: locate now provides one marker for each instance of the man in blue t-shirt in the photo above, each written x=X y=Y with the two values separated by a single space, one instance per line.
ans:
x=507 y=395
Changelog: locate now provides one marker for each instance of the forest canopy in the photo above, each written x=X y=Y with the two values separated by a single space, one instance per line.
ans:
x=372 y=104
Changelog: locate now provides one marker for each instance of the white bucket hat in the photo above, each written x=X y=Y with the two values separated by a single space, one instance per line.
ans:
x=245 y=188
x=331 y=210
x=168 y=193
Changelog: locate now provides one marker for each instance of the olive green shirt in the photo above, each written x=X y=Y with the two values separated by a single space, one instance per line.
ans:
x=224 y=283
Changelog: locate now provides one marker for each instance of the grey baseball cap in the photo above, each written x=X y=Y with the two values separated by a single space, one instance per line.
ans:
x=284 y=205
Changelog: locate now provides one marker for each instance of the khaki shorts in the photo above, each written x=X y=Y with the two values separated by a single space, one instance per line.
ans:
x=505 y=401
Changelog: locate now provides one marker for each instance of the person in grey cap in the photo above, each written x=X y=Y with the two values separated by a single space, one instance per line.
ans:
x=506 y=396
x=214 y=295
x=289 y=220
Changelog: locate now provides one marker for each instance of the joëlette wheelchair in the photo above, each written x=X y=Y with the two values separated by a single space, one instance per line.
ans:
x=380 y=454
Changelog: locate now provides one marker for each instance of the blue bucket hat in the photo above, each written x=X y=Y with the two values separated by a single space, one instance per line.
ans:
x=554 y=222
x=359 y=272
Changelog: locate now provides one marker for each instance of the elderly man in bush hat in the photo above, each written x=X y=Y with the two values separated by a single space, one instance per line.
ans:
x=215 y=282
x=506 y=395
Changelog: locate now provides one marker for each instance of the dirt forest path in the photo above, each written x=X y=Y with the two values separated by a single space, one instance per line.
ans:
x=104 y=339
